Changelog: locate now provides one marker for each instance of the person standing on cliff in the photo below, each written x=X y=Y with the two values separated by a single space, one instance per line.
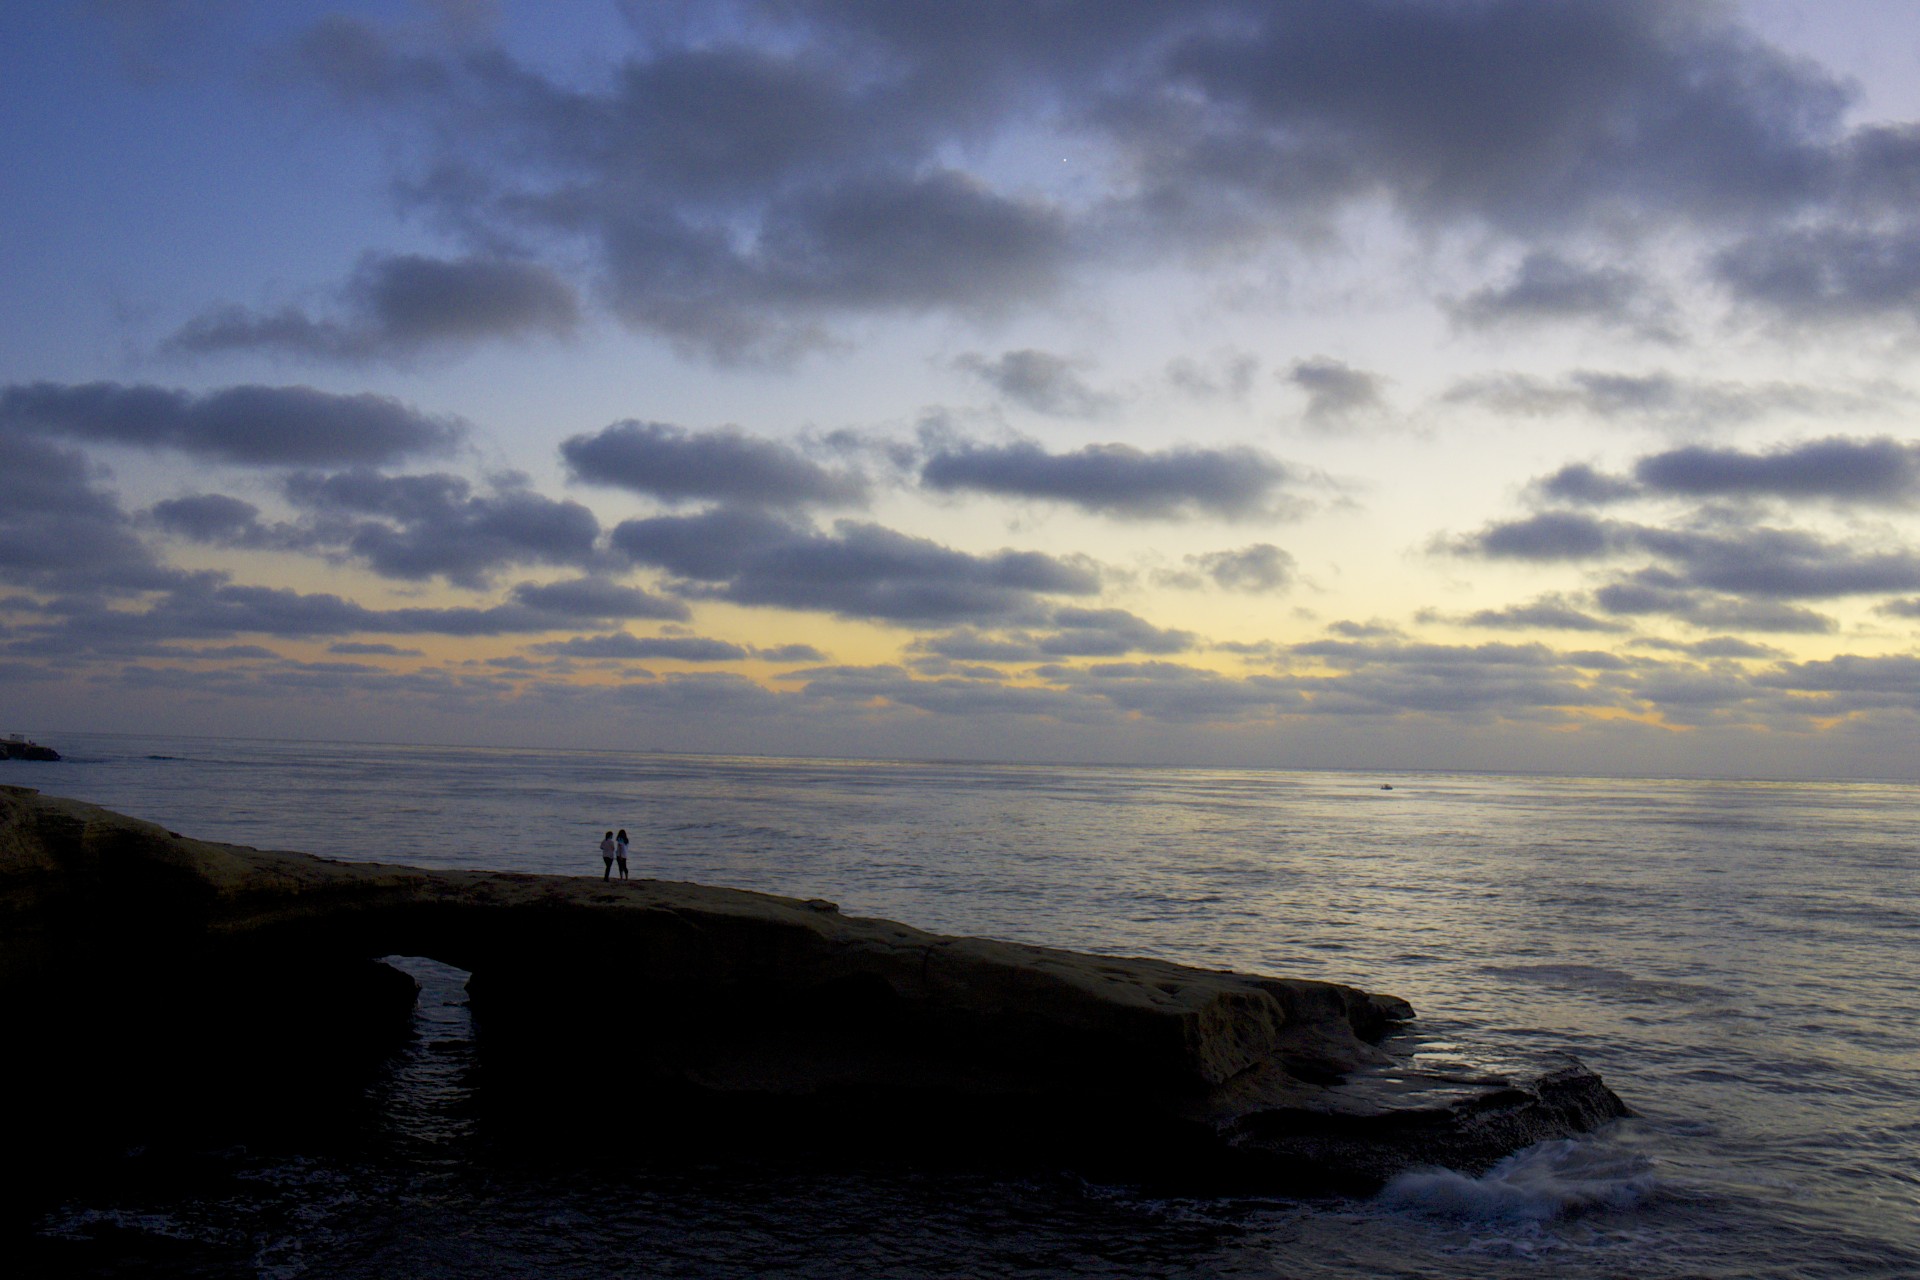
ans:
x=620 y=851
x=607 y=850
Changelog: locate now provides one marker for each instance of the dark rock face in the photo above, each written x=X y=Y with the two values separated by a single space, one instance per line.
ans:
x=14 y=750
x=721 y=1011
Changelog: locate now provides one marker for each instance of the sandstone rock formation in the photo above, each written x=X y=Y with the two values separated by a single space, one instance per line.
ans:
x=221 y=971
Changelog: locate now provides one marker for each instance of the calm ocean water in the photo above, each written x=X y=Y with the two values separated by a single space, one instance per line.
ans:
x=1740 y=961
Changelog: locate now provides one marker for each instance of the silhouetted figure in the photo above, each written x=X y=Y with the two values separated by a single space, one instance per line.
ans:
x=620 y=851
x=607 y=850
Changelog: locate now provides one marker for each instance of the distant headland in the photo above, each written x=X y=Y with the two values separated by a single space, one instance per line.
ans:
x=145 y=973
x=19 y=747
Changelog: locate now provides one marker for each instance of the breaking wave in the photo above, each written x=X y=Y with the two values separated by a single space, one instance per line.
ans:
x=1545 y=1181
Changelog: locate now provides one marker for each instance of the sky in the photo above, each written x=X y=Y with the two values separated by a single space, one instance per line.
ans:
x=1476 y=384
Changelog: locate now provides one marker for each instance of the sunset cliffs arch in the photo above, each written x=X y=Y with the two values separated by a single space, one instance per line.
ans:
x=220 y=967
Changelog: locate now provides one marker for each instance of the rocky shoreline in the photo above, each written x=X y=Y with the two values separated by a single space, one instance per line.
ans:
x=232 y=978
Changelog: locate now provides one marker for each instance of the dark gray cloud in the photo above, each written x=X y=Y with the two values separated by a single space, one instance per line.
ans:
x=1581 y=483
x=1656 y=592
x=1548 y=287
x=621 y=645
x=1881 y=472
x=1040 y=380
x=1338 y=394
x=60 y=531
x=725 y=465
x=1106 y=633
x=971 y=644
x=1067 y=632
x=1551 y=612
x=208 y=517
x=397 y=307
x=1748 y=561
x=790 y=653
x=246 y=425
x=1660 y=398
x=1547 y=535
x=1117 y=479
x=368 y=649
x=1782 y=564
x=1871 y=472
x=1837 y=271
x=1901 y=608
x=597 y=598
x=1712 y=647
x=1715 y=573
x=860 y=570
x=1892 y=680
x=209 y=608
x=416 y=527
x=1378 y=677
x=741 y=180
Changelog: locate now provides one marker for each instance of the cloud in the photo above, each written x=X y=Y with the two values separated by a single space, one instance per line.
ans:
x=365 y=649
x=209 y=517
x=861 y=570
x=621 y=645
x=58 y=531
x=1748 y=561
x=1108 y=633
x=1551 y=612
x=725 y=465
x=1836 y=271
x=1066 y=632
x=1337 y=393
x=1040 y=380
x=1546 y=287
x=245 y=425
x=1661 y=399
x=1547 y=535
x=1578 y=482
x=1390 y=676
x=399 y=306
x=415 y=527
x=596 y=598
x=1255 y=568
x=1712 y=647
x=1838 y=469
x=1656 y=592
x=790 y=653
x=1890 y=680
x=1117 y=479
x=742 y=182
x=1876 y=472
x=206 y=607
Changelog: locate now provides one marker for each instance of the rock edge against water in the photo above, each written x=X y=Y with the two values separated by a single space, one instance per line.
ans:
x=218 y=976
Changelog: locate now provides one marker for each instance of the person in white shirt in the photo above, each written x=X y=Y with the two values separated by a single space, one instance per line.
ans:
x=607 y=851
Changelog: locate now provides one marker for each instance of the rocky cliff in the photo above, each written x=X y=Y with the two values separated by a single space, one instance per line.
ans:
x=127 y=952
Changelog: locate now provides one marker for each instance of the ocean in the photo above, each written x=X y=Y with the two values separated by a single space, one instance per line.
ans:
x=1740 y=960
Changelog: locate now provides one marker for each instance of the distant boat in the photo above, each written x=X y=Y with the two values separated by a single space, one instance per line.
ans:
x=20 y=747
x=1386 y=786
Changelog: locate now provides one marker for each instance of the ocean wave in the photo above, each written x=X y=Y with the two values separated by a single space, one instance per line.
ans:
x=1545 y=1181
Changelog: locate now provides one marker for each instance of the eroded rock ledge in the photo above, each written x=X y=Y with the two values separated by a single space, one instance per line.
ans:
x=126 y=950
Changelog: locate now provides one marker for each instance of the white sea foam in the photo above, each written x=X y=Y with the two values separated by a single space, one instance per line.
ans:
x=1545 y=1181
